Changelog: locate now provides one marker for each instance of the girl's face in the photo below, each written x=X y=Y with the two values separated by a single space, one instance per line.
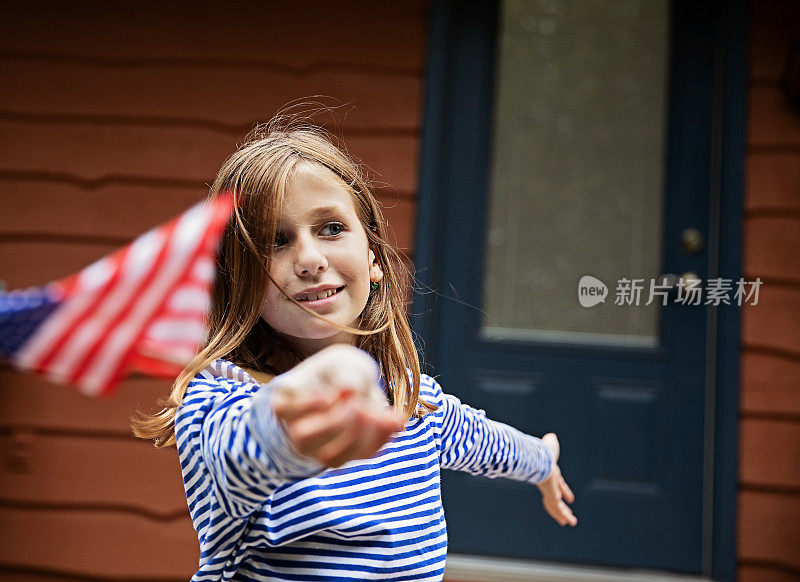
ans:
x=322 y=258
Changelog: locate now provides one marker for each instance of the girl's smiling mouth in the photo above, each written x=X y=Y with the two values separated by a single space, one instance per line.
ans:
x=317 y=295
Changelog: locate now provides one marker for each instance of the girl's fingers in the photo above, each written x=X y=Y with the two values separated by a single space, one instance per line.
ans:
x=344 y=447
x=554 y=511
x=555 y=496
x=289 y=408
x=566 y=514
x=311 y=432
x=290 y=405
x=371 y=438
x=561 y=513
x=363 y=436
x=566 y=492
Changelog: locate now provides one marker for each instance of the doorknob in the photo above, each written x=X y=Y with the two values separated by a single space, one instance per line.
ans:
x=692 y=241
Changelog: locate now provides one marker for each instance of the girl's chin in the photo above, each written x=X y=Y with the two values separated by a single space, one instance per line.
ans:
x=322 y=332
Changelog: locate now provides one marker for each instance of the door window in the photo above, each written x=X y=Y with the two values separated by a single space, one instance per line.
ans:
x=577 y=169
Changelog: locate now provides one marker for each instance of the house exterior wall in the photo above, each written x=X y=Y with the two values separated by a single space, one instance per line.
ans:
x=769 y=475
x=114 y=120
x=115 y=117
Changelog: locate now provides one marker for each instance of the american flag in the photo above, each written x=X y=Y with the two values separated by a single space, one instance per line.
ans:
x=141 y=308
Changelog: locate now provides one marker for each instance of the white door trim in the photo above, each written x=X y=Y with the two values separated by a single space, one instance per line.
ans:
x=465 y=568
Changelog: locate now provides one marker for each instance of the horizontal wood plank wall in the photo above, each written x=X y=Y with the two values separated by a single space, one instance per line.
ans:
x=769 y=476
x=115 y=117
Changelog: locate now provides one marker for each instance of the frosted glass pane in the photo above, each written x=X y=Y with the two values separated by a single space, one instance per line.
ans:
x=577 y=167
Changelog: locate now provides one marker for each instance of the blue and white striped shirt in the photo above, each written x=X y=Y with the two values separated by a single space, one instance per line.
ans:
x=262 y=512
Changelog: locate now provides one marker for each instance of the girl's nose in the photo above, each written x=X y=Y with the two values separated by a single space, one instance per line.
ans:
x=309 y=259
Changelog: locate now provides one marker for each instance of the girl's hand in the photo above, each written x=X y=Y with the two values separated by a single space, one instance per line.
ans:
x=555 y=491
x=333 y=409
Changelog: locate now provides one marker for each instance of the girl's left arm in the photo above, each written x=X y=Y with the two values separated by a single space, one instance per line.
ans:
x=472 y=443
x=480 y=446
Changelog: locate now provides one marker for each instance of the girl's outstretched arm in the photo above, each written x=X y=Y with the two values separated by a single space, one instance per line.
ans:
x=480 y=446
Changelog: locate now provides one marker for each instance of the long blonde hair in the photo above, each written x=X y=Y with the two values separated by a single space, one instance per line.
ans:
x=258 y=174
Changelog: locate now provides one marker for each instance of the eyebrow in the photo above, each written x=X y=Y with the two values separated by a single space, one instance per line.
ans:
x=323 y=212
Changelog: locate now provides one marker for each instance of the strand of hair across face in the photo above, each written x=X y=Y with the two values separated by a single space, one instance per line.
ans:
x=339 y=326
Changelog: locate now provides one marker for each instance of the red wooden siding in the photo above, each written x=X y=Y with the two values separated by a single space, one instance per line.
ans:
x=769 y=476
x=113 y=118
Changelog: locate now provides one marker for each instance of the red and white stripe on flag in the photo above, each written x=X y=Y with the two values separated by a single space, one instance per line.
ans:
x=143 y=307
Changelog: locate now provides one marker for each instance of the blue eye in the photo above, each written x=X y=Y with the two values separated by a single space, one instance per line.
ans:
x=280 y=240
x=332 y=229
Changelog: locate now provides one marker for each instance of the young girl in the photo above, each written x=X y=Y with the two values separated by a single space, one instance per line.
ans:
x=310 y=444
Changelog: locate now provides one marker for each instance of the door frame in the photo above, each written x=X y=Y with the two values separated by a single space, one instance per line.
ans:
x=448 y=54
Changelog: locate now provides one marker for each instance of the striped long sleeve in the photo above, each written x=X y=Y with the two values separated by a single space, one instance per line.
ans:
x=477 y=445
x=262 y=512
x=243 y=447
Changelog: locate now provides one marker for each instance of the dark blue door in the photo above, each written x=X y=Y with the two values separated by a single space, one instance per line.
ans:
x=569 y=148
